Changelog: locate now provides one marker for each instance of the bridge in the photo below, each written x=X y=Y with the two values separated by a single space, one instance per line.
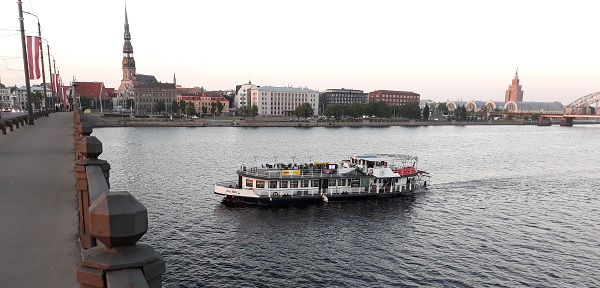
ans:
x=61 y=224
x=579 y=108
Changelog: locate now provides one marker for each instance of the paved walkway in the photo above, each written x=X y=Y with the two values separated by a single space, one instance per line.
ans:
x=39 y=219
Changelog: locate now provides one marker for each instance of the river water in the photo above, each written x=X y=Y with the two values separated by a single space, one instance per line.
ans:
x=509 y=206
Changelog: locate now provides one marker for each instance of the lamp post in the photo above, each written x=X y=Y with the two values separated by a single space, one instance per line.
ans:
x=41 y=56
x=25 y=64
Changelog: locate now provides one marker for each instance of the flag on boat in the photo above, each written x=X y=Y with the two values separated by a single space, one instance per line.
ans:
x=33 y=56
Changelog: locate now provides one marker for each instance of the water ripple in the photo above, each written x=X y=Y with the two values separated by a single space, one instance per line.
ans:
x=491 y=219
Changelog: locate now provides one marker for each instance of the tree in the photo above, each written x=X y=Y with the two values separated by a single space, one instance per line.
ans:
x=182 y=106
x=379 y=109
x=174 y=107
x=190 y=110
x=220 y=107
x=213 y=108
x=335 y=110
x=243 y=111
x=254 y=111
x=36 y=99
x=204 y=110
x=304 y=110
x=426 y=112
x=159 y=107
x=442 y=107
x=355 y=110
x=410 y=110
x=463 y=113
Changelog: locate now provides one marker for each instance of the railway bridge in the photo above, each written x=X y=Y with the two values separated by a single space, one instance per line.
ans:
x=580 y=108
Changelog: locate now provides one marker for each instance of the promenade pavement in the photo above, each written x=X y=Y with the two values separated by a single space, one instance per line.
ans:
x=39 y=219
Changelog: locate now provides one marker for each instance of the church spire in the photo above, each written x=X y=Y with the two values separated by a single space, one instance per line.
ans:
x=128 y=64
x=174 y=79
x=517 y=73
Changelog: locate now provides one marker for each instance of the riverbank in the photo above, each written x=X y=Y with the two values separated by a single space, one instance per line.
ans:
x=98 y=121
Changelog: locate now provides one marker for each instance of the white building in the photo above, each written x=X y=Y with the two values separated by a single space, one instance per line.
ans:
x=242 y=96
x=7 y=100
x=274 y=101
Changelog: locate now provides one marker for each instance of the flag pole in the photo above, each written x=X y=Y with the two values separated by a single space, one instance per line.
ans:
x=51 y=77
x=25 y=64
x=43 y=70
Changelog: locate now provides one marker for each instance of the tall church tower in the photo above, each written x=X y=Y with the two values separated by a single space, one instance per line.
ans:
x=128 y=61
x=514 y=92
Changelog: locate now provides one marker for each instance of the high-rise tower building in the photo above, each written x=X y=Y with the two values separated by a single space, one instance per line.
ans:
x=514 y=92
x=129 y=74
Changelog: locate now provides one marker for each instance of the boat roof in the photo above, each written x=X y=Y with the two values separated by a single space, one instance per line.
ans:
x=384 y=157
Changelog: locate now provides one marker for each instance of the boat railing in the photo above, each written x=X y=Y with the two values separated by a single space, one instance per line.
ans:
x=290 y=173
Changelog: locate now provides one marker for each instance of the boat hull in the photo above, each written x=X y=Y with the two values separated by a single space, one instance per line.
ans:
x=313 y=199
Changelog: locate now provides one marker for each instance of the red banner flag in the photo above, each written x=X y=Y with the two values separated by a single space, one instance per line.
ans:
x=55 y=78
x=33 y=56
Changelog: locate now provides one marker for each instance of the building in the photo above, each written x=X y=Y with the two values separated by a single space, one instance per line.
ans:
x=96 y=92
x=20 y=99
x=242 y=95
x=394 y=98
x=206 y=100
x=508 y=107
x=514 y=92
x=145 y=90
x=280 y=101
x=342 y=96
x=7 y=99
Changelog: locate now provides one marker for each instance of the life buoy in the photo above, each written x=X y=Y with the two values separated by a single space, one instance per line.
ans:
x=275 y=194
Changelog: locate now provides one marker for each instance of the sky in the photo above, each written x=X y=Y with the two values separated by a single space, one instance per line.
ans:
x=443 y=50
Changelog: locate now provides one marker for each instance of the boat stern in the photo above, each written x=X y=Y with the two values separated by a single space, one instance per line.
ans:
x=230 y=189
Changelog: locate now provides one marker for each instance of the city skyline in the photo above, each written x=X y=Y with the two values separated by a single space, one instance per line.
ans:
x=463 y=50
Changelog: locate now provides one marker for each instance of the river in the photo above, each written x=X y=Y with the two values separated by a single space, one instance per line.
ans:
x=508 y=206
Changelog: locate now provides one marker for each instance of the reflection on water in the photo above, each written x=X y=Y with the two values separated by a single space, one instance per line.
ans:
x=509 y=206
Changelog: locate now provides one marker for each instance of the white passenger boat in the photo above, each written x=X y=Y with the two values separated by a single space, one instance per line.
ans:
x=360 y=177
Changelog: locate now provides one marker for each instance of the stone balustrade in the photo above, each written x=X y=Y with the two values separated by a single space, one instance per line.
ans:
x=111 y=223
x=10 y=124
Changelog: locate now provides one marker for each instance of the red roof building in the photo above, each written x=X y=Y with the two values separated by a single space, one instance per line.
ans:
x=92 y=90
x=394 y=98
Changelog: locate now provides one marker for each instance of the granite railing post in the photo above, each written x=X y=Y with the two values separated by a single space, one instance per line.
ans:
x=9 y=124
x=89 y=149
x=111 y=223
x=118 y=221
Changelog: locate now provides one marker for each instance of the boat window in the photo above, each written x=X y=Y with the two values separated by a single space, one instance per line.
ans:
x=283 y=184
x=272 y=184
x=260 y=184
x=341 y=182
x=249 y=183
x=355 y=183
x=331 y=182
x=314 y=183
x=304 y=183
x=294 y=184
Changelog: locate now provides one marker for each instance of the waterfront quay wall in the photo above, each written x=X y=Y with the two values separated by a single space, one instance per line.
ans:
x=110 y=222
x=97 y=121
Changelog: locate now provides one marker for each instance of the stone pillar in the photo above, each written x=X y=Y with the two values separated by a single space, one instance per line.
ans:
x=118 y=221
x=566 y=122
x=543 y=121
x=89 y=148
x=15 y=122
